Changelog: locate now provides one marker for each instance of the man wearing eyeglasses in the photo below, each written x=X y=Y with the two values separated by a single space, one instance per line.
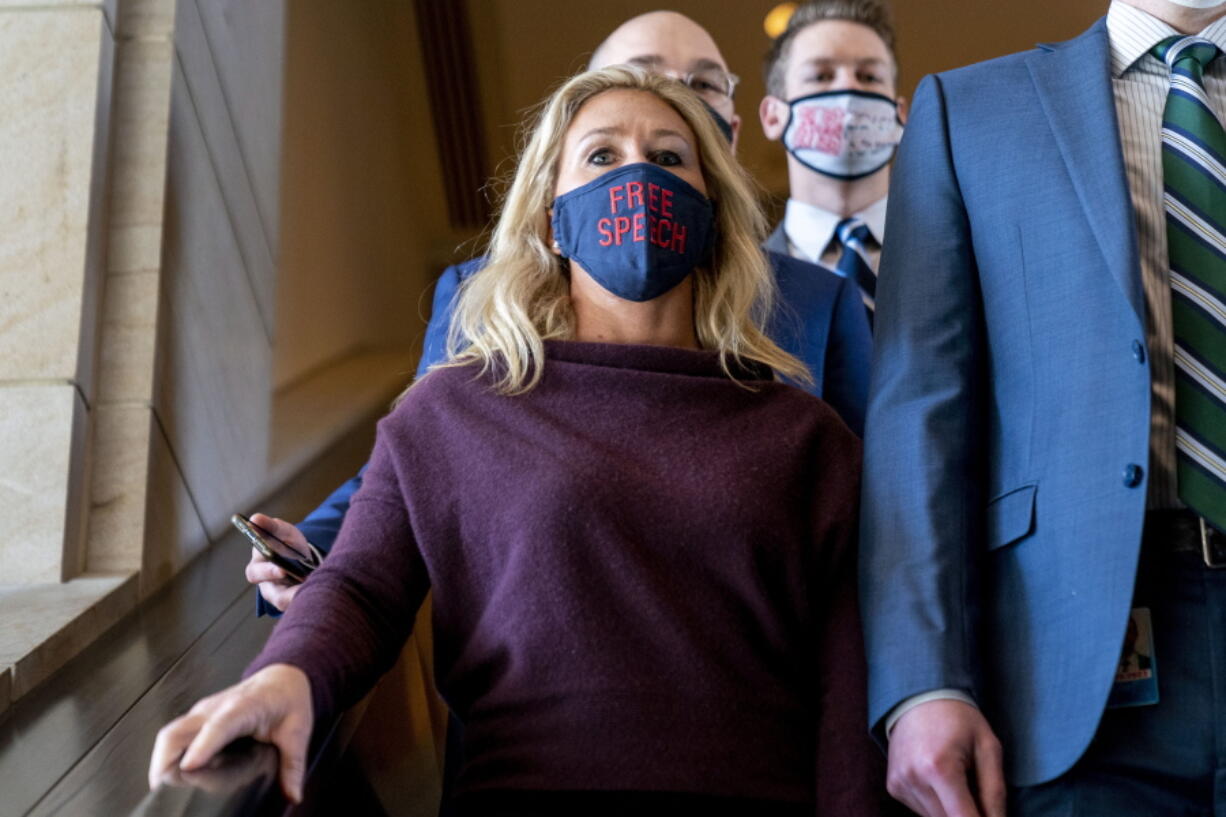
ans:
x=674 y=45
x=820 y=319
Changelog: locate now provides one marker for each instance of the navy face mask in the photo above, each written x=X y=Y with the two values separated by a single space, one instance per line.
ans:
x=637 y=230
x=725 y=127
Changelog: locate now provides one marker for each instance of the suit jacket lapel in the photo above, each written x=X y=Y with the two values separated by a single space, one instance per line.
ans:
x=1073 y=81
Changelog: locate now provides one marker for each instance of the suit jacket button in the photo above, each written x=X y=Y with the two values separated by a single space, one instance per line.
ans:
x=1138 y=351
x=1133 y=474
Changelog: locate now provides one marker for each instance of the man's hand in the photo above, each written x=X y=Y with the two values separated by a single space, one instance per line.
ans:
x=946 y=762
x=277 y=588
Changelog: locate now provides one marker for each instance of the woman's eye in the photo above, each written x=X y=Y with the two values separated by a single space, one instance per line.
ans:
x=871 y=79
x=666 y=158
x=603 y=156
x=825 y=76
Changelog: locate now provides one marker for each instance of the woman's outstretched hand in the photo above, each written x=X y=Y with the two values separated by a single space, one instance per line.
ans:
x=273 y=706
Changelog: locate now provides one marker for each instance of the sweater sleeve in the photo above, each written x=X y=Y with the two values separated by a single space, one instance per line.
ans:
x=352 y=616
x=850 y=768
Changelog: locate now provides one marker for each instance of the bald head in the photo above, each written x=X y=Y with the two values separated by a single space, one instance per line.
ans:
x=667 y=35
x=669 y=43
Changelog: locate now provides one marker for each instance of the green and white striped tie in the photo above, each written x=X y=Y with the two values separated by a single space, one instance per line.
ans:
x=1194 y=177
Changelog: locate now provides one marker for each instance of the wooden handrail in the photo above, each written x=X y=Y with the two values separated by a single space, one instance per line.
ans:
x=80 y=743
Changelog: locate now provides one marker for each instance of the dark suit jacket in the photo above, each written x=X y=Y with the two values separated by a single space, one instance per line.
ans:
x=777 y=241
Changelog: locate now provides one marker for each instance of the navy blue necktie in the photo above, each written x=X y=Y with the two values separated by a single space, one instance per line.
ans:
x=853 y=263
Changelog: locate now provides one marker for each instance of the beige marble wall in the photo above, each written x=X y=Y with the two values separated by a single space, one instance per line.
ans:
x=126 y=432
x=140 y=188
x=42 y=427
x=137 y=269
x=212 y=388
x=56 y=69
x=230 y=53
x=143 y=516
x=139 y=278
x=185 y=396
x=107 y=6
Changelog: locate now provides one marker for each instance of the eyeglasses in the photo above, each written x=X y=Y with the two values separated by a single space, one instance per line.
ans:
x=712 y=84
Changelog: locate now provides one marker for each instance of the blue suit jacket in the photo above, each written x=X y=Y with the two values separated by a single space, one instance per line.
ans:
x=1009 y=410
x=819 y=318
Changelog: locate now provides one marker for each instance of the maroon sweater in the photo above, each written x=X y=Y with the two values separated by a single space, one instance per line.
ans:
x=643 y=577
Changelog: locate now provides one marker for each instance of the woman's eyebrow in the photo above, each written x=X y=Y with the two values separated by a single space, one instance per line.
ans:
x=610 y=130
x=613 y=130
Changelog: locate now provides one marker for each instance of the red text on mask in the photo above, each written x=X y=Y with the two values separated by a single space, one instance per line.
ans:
x=820 y=129
x=655 y=225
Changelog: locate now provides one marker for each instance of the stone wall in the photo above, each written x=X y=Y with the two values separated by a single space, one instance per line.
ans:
x=164 y=362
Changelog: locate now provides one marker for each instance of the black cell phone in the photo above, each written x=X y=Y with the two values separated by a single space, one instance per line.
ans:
x=287 y=557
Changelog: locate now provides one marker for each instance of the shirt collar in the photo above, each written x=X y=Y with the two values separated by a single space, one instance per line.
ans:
x=874 y=217
x=1133 y=32
x=811 y=228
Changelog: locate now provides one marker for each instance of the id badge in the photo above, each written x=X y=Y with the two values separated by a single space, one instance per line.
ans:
x=1136 y=677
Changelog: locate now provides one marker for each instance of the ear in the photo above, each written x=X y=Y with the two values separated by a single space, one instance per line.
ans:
x=903 y=110
x=735 y=123
x=774 y=113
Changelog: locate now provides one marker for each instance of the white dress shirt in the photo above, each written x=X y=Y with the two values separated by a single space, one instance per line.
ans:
x=1140 y=82
x=810 y=232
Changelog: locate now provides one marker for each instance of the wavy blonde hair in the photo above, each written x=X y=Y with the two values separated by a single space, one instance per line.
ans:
x=521 y=298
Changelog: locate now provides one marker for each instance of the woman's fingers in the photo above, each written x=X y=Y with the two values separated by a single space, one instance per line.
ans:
x=228 y=720
x=257 y=760
x=291 y=740
x=291 y=731
x=172 y=739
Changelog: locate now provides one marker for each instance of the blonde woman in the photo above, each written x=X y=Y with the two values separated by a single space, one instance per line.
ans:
x=639 y=541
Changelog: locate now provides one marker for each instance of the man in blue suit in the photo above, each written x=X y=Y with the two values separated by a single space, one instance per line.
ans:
x=1033 y=483
x=819 y=317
